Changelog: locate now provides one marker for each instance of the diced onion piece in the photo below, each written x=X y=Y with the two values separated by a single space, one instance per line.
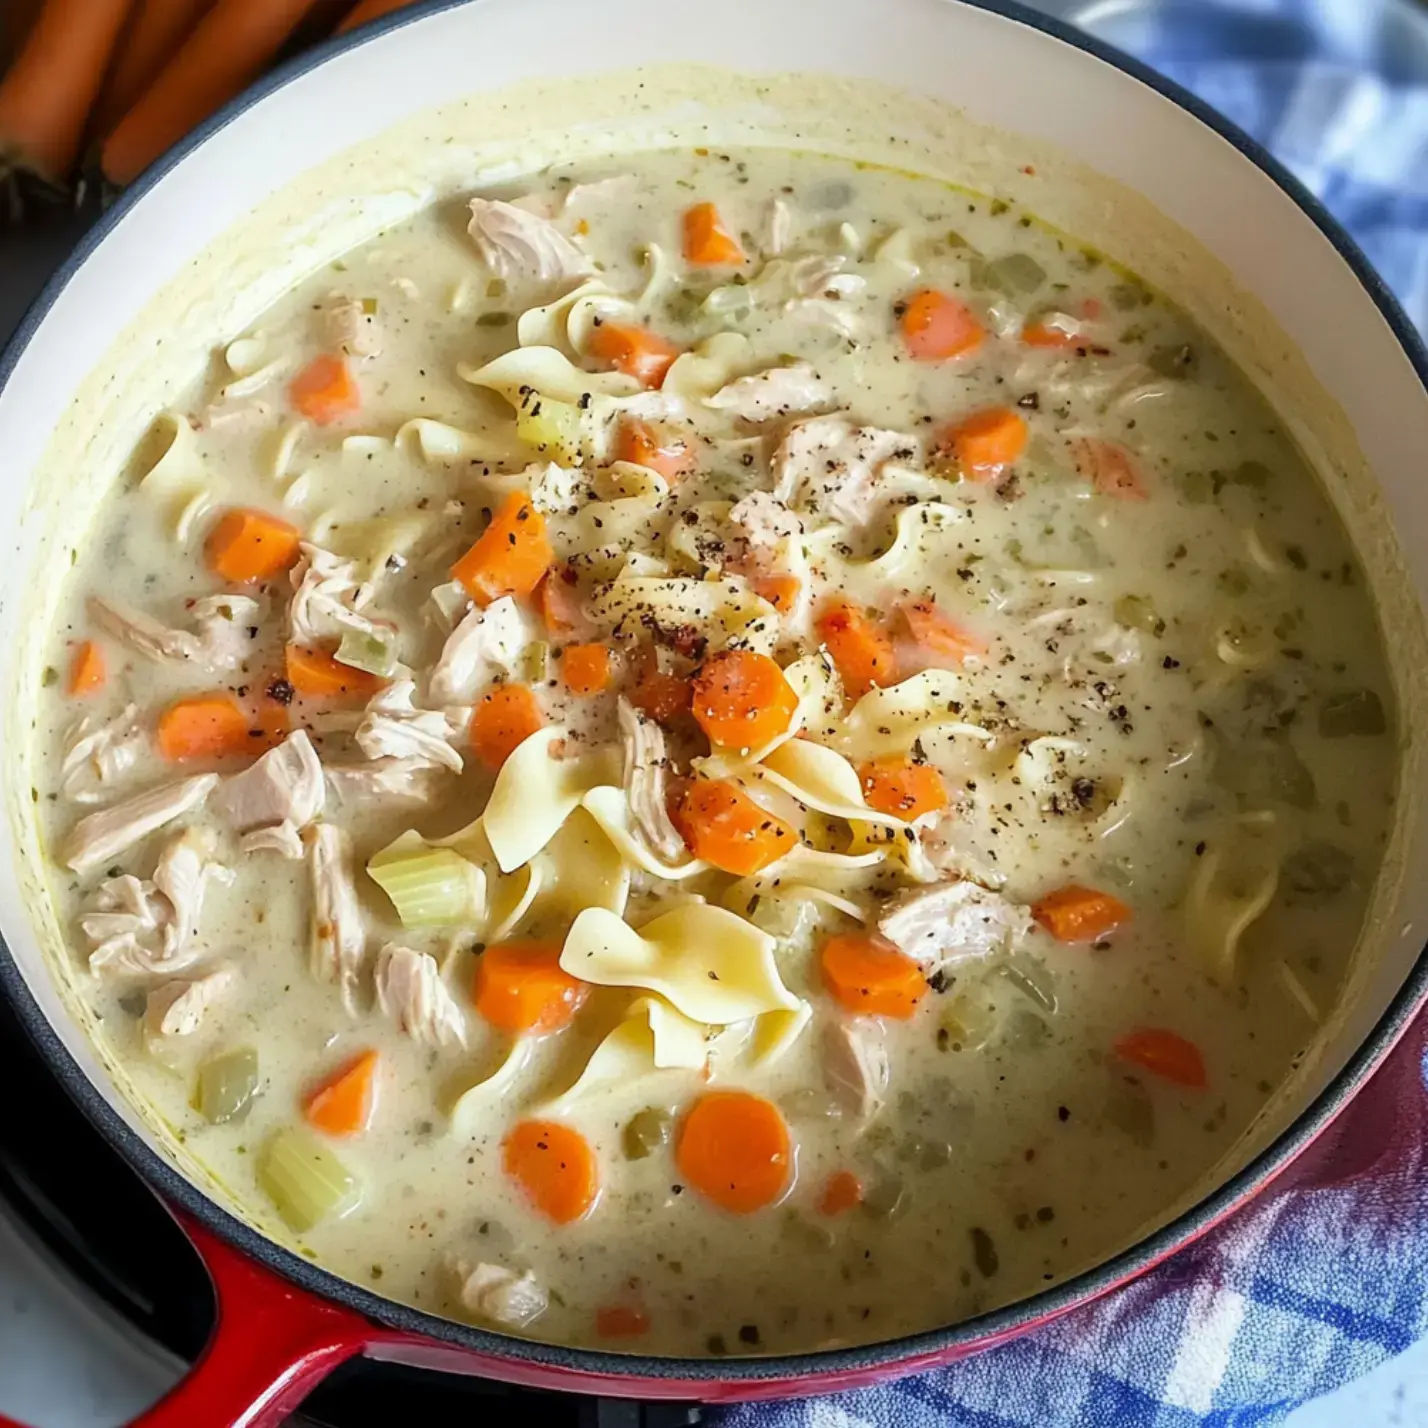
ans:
x=305 y=1181
x=429 y=887
x=551 y=427
x=375 y=652
x=227 y=1085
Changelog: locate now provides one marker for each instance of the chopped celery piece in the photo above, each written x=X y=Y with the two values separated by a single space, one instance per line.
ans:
x=1176 y=363
x=537 y=662
x=375 y=652
x=305 y=1181
x=1137 y=612
x=429 y=887
x=645 y=1132
x=553 y=428
x=1317 y=873
x=1359 y=713
x=1017 y=273
x=227 y=1085
x=369 y=306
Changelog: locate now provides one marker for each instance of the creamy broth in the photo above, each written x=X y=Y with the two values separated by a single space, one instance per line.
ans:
x=1160 y=679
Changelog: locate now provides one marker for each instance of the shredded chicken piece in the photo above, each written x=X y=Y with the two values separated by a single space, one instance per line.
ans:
x=778 y=227
x=829 y=467
x=953 y=922
x=339 y=938
x=180 y=1007
x=328 y=595
x=500 y=1295
x=412 y=779
x=765 y=522
x=284 y=788
x=411 y=991
x=224 y=627
x=102 y=836
x=518 y=245
x=618 y=188
x=393 y=727
x=646 y=766
x=777 y=392
x=485 y=642
x=144 y=928
x=557 y=490
x=96 y=757
x=855 y=1067
x=281 y=838
x=345 y=323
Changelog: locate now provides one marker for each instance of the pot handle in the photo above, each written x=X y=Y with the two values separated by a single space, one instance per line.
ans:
x=272 y=1343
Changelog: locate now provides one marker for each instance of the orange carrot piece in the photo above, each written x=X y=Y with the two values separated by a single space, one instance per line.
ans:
x=734 y=1148
x=510 y=556
x=742 y=700
x=863 y=653
x=47 y=92
x=1042 y=334
x=707 y=242
x=621 y=1321
x=503 y=719
x=86 y=670
x=635 y=351
x=229 y=48
x=319 y=676
x=206 y=726
x=325 y=391
x=937 y=327
x=269 y=727
x=781 y=591
x=842 y=1191
x=641 y=443
x=1165 y=1054
x=559 y=609
x=1110 y=468
x=585 y=669
x=721 y=824
x=902 y=788
x=152 y=37
x=248 y=544
x=941 y=642
x=656 y=694
x=869 y=976
x=1077 y=914
x=984 y=444
x=344 y=1104
x=521 y=988
x=369 y=10
x=556 y=1167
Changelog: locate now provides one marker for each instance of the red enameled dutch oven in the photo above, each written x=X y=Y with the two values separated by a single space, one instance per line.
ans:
x=1086 y=137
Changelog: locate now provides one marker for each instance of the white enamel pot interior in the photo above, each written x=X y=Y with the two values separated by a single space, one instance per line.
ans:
x=1215 y=226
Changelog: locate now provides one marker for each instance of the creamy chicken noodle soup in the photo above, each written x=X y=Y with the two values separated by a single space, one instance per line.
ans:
x=724 y=752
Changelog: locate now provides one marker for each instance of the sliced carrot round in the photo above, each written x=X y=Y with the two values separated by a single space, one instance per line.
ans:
x=660 y=696
x=86 y=669
x=344 y=1104
x=205 y=726
x=1165 y=1054
x=863 y=653
x=984 y=444
x=1110 y=468
x=937 y=327
x=734 y=1148
x=247 y=544
x=511 y=555
x=842 y=1191
x=707 y=241
x=781 y=591
x=585 y=669
x=556 y=1167
x=902 y=788
x=742 y=700
x=503 y=719
x=318 y=675
x=325 y=391
x=621 y=1321
x=940 y=640
x=1078 y=914
x=635 y=351
x=521 y=988
x=868 y=975
x=556 y=600
x=724 y=826
x=645 y=445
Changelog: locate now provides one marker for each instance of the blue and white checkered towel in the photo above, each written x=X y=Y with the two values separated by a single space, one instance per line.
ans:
x=1327 y=1274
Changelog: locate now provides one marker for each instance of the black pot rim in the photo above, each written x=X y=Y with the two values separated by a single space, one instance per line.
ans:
x=588 y=1363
